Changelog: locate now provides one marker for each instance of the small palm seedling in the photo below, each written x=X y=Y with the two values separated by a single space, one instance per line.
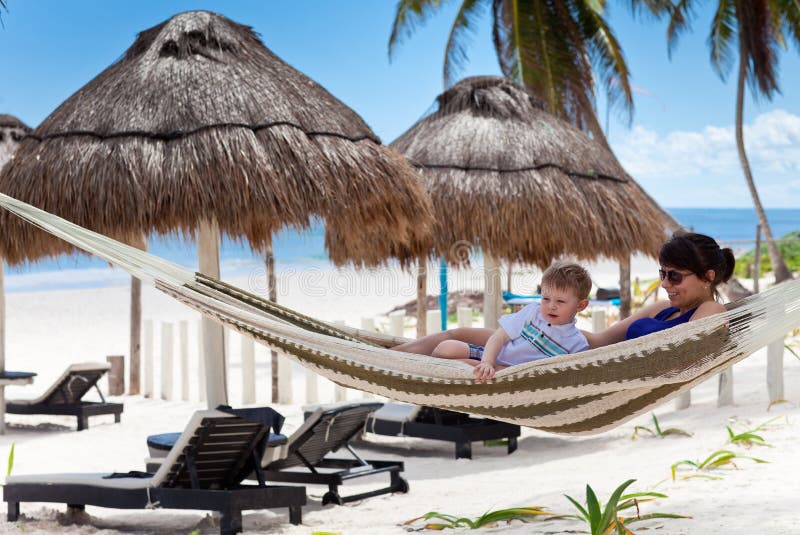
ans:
x=656 y=431
x=750 y=437
x=715 y=460
x=607 y=521
x=489 y=519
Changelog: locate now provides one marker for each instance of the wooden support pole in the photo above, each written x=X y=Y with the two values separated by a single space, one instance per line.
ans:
x=183 y=343
x=422 y=300
x=248 y=370
x=213 y=337
x=167 y=374
x=116 y=375
x=148 y=358
x=134 y=384
x=272 y=293
x=625 y=287
x=492 y=295
x=201 y=364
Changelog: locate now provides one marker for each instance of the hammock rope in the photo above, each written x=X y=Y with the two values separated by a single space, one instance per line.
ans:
x=583 y=393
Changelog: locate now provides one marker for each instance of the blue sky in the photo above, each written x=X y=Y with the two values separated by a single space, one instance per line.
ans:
x=680 y=146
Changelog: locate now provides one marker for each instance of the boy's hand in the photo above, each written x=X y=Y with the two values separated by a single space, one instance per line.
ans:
x=483 y=372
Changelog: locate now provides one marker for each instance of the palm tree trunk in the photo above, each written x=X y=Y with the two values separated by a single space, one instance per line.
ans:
x=782 y=272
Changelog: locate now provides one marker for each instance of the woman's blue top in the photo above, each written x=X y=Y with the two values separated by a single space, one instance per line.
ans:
x=644 y=326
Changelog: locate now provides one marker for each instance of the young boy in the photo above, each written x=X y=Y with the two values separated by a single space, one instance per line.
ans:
x=537 y=331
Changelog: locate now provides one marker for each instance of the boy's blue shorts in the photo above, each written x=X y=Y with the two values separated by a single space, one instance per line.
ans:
x=475 y=352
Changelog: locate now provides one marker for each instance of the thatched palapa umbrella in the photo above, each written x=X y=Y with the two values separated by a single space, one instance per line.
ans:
x=12 y=130
x=522 y=184
x=200 y=124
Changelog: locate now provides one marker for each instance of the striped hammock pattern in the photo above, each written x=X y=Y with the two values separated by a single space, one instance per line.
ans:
x=583 y=393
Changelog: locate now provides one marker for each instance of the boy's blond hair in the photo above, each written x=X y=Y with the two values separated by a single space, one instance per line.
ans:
x=568 y=275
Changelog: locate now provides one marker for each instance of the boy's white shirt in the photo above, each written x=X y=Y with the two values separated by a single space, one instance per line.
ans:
x=519 y=350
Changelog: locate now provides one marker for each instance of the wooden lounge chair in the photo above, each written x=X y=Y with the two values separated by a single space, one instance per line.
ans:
x=403 y=419
x=201 y=472
x=65 y=396
x=304 y=458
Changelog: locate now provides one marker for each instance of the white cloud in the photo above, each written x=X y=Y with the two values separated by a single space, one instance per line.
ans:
x=684 y=168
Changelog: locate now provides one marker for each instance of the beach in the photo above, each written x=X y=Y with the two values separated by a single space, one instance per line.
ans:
x=47 y=330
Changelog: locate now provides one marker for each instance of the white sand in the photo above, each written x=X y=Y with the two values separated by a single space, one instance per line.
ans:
x=48 y=330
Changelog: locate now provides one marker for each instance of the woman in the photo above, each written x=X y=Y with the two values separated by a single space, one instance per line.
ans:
x=692 y=266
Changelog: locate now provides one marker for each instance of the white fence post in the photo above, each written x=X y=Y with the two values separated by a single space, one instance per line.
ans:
x=725 y=388
x=775 y=369
x=148 y=358
x=166 y=360
x=183 y=338
x=598 y=319
x=248 y=370
x=284 y=378
x=397 y=321
x=368 y=324
x=201 y=364
x=464 y=315
x=433 y=321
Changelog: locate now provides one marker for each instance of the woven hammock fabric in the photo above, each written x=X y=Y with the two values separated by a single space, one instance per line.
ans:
x=583 y=393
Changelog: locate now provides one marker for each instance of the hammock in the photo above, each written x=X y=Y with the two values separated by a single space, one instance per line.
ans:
x=583 y=393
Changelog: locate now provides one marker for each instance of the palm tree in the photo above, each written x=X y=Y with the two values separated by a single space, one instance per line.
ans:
x=553 y=47
x=757 y=28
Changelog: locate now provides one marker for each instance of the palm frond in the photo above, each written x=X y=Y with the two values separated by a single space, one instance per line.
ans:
x=607 y=57
x=758 y=45
x=788 y=13
x=720 y=40
x=409 y=15
x=455 y=55
x=678 y=23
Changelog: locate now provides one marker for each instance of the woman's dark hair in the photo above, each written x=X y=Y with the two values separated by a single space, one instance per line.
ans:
x=698 y=253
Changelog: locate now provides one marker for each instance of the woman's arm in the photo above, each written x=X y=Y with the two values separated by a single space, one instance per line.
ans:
x=616 y=333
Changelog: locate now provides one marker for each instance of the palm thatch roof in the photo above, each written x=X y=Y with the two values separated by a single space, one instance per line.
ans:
x=199 y=120
x=12 y=130
x=524 y=185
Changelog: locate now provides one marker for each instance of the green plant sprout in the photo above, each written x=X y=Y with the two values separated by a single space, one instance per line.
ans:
x=657 y=431
x=715 y=460
x=10 y=460
x=607 y=521
x=488 y=519
x=749 y=437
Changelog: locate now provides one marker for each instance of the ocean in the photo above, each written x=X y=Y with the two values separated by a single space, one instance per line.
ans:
x=735 y=227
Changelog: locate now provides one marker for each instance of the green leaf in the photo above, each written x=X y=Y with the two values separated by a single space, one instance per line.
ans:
x=658 y=427
x=593 y=506
x=610 y=512
x=10 y=460
x=579 y=507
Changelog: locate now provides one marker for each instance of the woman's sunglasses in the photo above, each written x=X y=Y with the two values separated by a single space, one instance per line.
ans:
x=675 y=277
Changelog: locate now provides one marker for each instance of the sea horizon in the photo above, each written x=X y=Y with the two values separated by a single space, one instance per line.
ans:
x=299 y=250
